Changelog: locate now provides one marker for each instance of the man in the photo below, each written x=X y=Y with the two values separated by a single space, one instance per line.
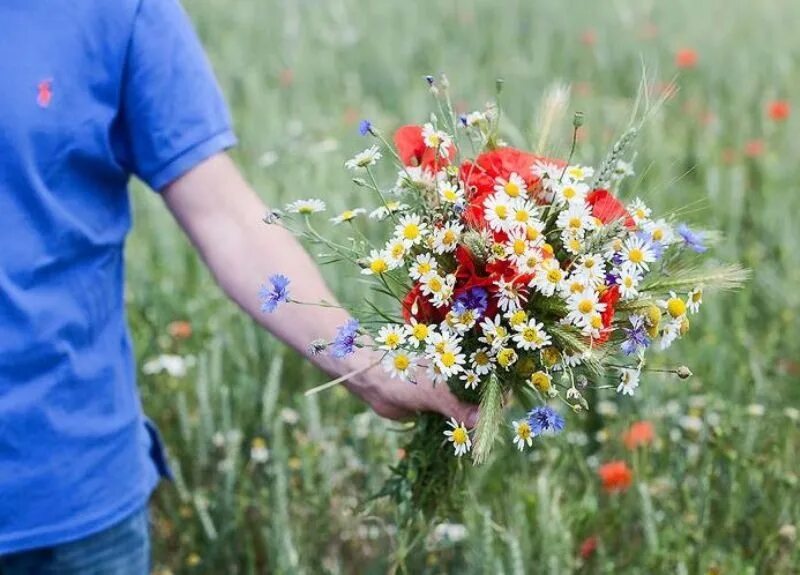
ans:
x=93 y=93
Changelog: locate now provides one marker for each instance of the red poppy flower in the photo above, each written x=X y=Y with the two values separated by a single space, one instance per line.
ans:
x=413 y=152
x=639 y=434
x=610 y=297
x=615 y=476
x=779 y=110
x=686 y=58
x=416 y=305
x=468 y=277
x=607 y=208
x=588 y=547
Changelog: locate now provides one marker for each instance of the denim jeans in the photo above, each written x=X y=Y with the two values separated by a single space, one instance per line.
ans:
x=123 y=549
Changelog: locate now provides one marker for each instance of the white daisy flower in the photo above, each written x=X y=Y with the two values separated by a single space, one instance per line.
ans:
x=621 y=171
x=546 y=170
x=409 y=228
x=582 y=306
x=592 y=269
x=670 y=333
x=523 y=435
x=445 y=239
x=434 y=374
x=510 y=296
x=639 y=212
x=628 y=381
x=637 y=254
x=414 y=177
x=497 y=211
x=628 y=281
x=399 y=364
x=494 y=332
x=445 y=351
x=436 y=139
x=574 y=284
x=518 y=247
x=579 y=173
x=474 y=118
x=569 y=192
x=695 y=299
x=533 y=259
x=422 y=266
x=593 y=326
x=572 y=241
x=348 y=215
x=531 y=335
x=438 y=289
x=378 y=262
x=577 y=218
x=362 y=160
x=383 y=212
x=417 y=332
x=481 y=361
x=470 y=379
x=451 y=193
x=674 y=306
x=397 y=249
x=523 y=215
x=306 y=207
x=513 y=187
x=549 y=277
x=660 y=231
x=506 y=357
x=459 y=437
x=534 y=231
x=390 y=337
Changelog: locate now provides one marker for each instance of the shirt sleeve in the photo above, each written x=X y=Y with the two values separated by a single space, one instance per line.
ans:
x=174 y=113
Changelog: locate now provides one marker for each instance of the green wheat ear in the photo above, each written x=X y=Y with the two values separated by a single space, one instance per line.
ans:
x=490 y=420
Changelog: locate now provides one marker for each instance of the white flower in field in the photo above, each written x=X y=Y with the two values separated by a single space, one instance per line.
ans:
x=422 y=266
x=570 y=192
x=174 y=365
x=573 y=241
x=390 y=337
x=399 y=364
x=435 y=375
x=674 y=306
x=670 y=333
x=445 y=351
x=513 y=187
x=470 y=379
x=592 y=269
x=516 y=318
x=258 y=450
x=579 y=173
x=410 y=228
x=622 y=170
x=378 y=263
x=518 y=247
x=417 y=332
x=523 y=217
x=593 y=326
x=533 y=259
x=497 y=211
x=577 y=218
x=289 y=416
x=607 y=408
x=628 y=281
x=691 y=423
x=383 y=212
x=547 y=172
x=218 y=440
x=583 y=306
x=549 y=277
x=637 y=254
x=628 y=381
x=445 y=239
x=481 y=361
x=397 y=249
x=695 y=299
x=660 y=231
x=531 y=335
x=523 y=435
x=572 y=285
x=439 y=289
x=450 y=193
x=361 y=160
x=495 y=334
x=506 y=357
x=449 y=532
x=306 y=207
x=414 y=177
x=639 y=212
x=510 y=296
x=348 y=215
x=792 y=413
x=436 y=139
x=474 y=119
x=756 y=410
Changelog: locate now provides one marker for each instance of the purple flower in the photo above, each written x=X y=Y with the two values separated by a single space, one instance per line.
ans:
x=636 y=337
x=277 y=294
x=474 y=299
x=345 y=342
x=365 y=127
x=545 y=418
x=691 y=239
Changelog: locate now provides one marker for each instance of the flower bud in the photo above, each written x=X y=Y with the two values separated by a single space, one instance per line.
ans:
x=577 y=119
x=683 y=372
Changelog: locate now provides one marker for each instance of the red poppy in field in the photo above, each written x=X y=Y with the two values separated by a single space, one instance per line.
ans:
x=589 y=37
x=180 y=329
x=608 y=208
x=615 y=476
x=686 y=58
x=588 y=547
x=639 y=434
x=610 y=298
x=419 y=307
x=779 y=110
x=413 y=152
x=754 y=148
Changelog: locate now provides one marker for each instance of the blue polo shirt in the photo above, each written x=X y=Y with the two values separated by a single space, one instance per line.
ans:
x=93 y=92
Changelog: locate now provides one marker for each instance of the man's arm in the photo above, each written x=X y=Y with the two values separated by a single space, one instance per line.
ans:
x=222 y=215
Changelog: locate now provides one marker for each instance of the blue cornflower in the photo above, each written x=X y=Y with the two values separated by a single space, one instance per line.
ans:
x=544 y=418
x=636 y=337
x=463 y=119
x=692 y=239
x=475 y=299
x=277 y=294
x=365 y=127
x=345 y=342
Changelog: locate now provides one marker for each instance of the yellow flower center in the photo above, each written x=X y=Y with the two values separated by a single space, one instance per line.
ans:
x=401 y=362
x=524 y=431
x=468 y=317
x=554 y=276
x=628 y=281
x=411 y=231
x=481 y=358
x=449 y=237
x=576 y=287
x=450 y=195
x=636 y=256
x=347 y=215
x=435 y=284
x=548 y=249
x=434 y=140
x=640 y=213
x=658 y=235
x=398 y=251
x=424 y=268
x=676 y=307
x=596 y=321
x=575 y=173
x=532 y=233
x=512 y=189
x=448 y=359
x=460 y=436
x=697 y=296
x=501 y=212
x=501 y=331
x=379 y=266
x=541 y=381
x=575 y=223
x=519 y=247
x=506 y=357
x=420 y=331
x=305 y=210
x=518 y=317
x=392 y=340
x=589 y=263
x=569 y=192
x=522 y=216
x=531 y=335
x=498 y=250
x=575 y=245
x=585 y=306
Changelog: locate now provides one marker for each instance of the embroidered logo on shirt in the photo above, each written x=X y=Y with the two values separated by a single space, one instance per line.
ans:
x=45 y=93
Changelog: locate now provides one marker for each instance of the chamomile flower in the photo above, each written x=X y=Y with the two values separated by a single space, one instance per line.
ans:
x=513 y=187
x=628 y=381
x=674 y=306
x=510 y=295
x=695 y=299
x=639 y=211
x=549 y=277
x=577 y=218
x=579 y=173
x=470 y=379
x=399 y=364
x=481 y=361
x=637 y=254
x=572 y=241
x=362 y=160
x=436 y=139
x=410 y=229
x=417 y=332
x=593 y=326
x=628 y=282
x=450 y=193
x=458 y=436
x=522 y=434
x=582 y=306
x=660 y=231
x=546 y=170
x=445 y=351
x=517 y=247
x=390 y=337
x=570 y=191
x=533 y=259
x=348 y=215
x=397 y=249
x=383 y=212
x=494 y=332
x=523 y=214
x=506 y=357
x=497 y=211
x=670 y=333
x=439 y=289
x=534 y=231
x=422 y=266
x=473 y=119
x=592 y=269
x=621 y=171
x=574 y=284
x=531 y=335
x=306 y=207
x=378 y=262
x=412 y=177
x=445 y=239
x=516 y=318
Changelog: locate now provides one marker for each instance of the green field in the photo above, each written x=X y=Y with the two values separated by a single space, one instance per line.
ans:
x=717 y=492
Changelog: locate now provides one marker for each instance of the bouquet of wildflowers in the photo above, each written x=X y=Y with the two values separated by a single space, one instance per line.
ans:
x=515 y=277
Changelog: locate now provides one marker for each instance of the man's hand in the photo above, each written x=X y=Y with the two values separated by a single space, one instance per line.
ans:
x=222 y=217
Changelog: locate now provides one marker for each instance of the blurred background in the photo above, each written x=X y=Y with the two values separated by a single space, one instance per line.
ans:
x=269 y=481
